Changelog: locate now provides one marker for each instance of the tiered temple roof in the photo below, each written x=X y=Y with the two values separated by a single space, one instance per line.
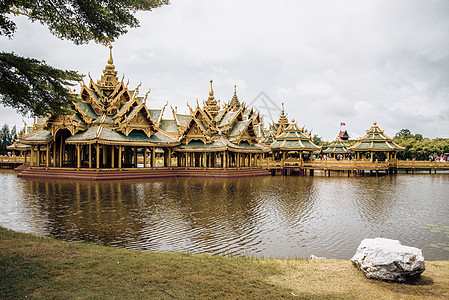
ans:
x=376 y=140
x=281 y=125
x=234 y=128
x=294 y=139
x=337 y=147
x=108 y=113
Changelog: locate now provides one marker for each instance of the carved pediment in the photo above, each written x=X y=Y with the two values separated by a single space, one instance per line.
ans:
x=195 y=131
x=140 y=120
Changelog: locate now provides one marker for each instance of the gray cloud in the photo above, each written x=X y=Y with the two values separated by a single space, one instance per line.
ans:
x=356 y=62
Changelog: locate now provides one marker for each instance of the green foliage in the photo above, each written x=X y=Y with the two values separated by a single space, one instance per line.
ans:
x=7 y=137
x=419 y=149
x=33 y=87
x=317 y=140
x=403 y=133
x=80 y=21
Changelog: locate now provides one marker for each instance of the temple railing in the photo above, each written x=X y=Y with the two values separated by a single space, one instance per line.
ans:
x=12 y=159
x=416 y=164
x=355 y=164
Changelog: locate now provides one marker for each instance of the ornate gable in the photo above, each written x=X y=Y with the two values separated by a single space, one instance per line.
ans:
x=138 y=119
x=247 y=134
x=202 y=116
x=58 y=122
x=195 y=131
x=231 y=120
x=83 y=113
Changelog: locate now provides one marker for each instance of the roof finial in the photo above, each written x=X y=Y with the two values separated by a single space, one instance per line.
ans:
x=282 y=107
x=110 y=60
x=211 y=93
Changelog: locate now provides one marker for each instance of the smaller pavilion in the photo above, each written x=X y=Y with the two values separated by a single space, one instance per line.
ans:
x=376 y=143
x=293 y=141
x=338 y=146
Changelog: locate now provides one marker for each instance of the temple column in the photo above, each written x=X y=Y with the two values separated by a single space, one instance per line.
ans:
x=283 y=153
x=135 y=157
x=144 y=157
x=78 y=156
x=55 y=163
x=98 y=156
x=112 y=156
x=47 y=156
x=105 y=155
x=223 y=159
x=153 y=157
x=169 y=157
x=32 y=156
x=372 y=157
x=38 y=156
x=119 y=158
x=226 y=159
x=90 y=156
x=204 y=160
x=61 y=153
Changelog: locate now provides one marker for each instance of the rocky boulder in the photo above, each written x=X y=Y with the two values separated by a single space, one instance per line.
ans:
x=387 y=259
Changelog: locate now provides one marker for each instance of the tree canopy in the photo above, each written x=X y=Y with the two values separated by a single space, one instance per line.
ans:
x=7 y=137
x=416 y=147
x=35 y=88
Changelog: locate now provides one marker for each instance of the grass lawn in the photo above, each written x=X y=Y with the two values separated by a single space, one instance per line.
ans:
x=37 y=267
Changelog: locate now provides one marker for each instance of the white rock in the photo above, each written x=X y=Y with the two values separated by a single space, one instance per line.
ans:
x=316 y=257
x=387 y=259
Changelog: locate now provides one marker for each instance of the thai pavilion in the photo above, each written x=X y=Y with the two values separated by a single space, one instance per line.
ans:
x=111 y=127
x=293 y=141
x=337 y=147
x=376 y=143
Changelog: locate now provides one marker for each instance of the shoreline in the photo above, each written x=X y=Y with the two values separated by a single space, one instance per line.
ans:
x=42 y=267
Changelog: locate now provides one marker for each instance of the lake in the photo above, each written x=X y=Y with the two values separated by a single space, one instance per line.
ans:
x=274 y=216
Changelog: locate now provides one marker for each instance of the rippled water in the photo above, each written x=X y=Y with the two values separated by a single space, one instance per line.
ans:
x=270 y=216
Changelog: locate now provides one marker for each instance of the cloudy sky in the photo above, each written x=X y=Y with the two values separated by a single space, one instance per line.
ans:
x=356 y=62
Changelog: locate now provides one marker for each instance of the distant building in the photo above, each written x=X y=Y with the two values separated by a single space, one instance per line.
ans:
x=343 y=135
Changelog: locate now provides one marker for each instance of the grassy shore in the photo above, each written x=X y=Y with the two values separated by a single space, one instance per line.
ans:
x=36 y=267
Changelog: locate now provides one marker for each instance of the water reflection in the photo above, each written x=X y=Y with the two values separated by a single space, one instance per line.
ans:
x=270 y=216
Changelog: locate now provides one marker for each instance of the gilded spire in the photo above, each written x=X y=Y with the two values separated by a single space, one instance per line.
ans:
x=109 y=79
x=211 y=103
x=283 y=122
x=235 y=103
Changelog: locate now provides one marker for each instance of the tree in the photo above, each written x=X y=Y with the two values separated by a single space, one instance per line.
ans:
x=316 y=139
x=5 y=138
x=403 y=133
x=35 y=88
